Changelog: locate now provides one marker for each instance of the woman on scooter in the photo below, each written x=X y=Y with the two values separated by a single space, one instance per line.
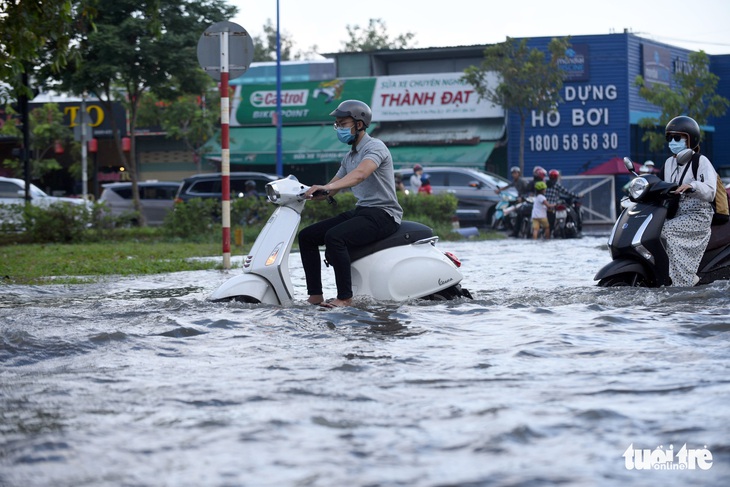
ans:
x=368 y=169
x=688 y=233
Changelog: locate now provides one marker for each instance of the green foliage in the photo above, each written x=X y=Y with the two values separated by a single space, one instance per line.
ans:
x=375 y=38
x=250 y=211
x=193 y=220
x=264 y=46
x=140 y=46
x=59 y=223
x=47 y=128
x=528 y=81
x=693 y=95
x=190 y=118
x=437 y=208
x=38 y=33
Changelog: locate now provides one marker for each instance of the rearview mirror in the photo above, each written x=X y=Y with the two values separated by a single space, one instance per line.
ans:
x=629 y=164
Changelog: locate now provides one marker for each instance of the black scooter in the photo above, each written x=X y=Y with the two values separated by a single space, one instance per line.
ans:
x=638 y=251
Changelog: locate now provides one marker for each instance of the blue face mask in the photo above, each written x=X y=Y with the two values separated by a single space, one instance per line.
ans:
x=345 y=136
x=677 y=147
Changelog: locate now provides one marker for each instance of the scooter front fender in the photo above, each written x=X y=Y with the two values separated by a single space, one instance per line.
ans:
x=622 y=266
x=250 y=288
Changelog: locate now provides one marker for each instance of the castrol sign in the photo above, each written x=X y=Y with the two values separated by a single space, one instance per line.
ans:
x=289 y=98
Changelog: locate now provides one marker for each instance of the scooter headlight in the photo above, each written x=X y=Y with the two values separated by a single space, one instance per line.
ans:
x=272 y=192
x=637 y=188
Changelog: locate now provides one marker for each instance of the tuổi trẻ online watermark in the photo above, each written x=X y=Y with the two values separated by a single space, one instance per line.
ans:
x=667 y=459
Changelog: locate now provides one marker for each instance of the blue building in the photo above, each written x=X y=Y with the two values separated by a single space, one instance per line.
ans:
x=598 y=119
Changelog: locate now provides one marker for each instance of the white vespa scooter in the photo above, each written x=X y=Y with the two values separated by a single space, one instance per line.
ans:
x=405 y=265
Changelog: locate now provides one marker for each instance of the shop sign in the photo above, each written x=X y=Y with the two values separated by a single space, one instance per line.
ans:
x=575 y=63
x=657 y=65
x=430 y=97
x=303 y=102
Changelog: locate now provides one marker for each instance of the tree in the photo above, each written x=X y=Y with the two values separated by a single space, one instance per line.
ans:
x=187 y=118
x=35 y=33
x=375 y=38
x=48 y=130
x=264 y=46
x=139 y=46
x=694 y=95
x=528 y=81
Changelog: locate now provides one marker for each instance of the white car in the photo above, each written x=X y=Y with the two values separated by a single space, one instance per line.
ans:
x=12 y=192
x=156 y=197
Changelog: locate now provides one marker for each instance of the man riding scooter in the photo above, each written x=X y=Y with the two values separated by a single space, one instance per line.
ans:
x=368 y=169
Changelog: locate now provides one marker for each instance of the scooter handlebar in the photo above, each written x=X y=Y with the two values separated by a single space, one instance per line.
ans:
x=324 y=192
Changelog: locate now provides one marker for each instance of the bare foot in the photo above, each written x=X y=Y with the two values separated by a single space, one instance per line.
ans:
x=315 y=299
x=336 y=303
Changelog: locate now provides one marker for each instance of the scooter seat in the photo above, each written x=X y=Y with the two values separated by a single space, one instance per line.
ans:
x=719 y=237
x=408 y=233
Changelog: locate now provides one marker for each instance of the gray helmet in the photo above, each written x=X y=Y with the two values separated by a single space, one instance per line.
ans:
x=684 y=125
x=355 y=109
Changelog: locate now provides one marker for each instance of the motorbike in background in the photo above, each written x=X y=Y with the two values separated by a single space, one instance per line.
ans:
x=523 y=218
x=638 y=252
x=568 y=222
x=506 y=204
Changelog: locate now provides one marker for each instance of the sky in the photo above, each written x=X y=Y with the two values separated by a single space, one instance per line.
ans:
x=695 y=25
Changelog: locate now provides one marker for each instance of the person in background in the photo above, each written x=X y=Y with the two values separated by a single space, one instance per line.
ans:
x=553 y=193
x=523 y=188
x=425 y=184
x=250 y=189
x=647 y=168
x=538 y=174
x=254 y=209
x=399 y=186
x=416 y=177
x=688 y=233
x=522 y=185
x=367 y=168
x=539 y=211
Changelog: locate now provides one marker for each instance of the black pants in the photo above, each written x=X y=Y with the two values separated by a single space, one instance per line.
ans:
x=354 y=228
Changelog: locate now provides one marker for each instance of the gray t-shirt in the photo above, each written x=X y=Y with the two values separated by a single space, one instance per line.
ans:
x=378 y=190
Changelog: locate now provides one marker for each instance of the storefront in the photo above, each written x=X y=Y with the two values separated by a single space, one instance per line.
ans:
x=429 y=119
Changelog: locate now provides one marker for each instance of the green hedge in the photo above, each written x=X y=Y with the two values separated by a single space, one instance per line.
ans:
x=195 y=221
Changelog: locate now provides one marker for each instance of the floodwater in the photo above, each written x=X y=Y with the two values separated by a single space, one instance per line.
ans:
x=542 y=379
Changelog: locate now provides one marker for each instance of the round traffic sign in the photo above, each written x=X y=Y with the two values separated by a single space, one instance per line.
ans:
x=238 y=54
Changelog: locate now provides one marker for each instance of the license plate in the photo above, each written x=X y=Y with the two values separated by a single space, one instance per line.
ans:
x=561 y=214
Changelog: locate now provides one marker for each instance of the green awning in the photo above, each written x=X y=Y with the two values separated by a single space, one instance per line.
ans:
x=312 y=144
x=315 y=144
x=442 y=155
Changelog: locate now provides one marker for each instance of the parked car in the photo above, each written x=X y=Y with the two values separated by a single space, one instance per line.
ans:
x=475 y=190
x=156 y=198
x=12 y=192
x=208 y=185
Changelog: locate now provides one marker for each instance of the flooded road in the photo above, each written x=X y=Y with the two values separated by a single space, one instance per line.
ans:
x=542 y=379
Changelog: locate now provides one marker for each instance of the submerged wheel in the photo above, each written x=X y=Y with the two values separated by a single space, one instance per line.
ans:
x=238 y=299
x=450 y=293
x=628 y=279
